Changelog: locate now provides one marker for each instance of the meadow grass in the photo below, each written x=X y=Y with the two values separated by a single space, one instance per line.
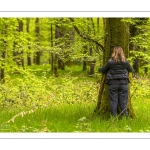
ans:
x=66 y=104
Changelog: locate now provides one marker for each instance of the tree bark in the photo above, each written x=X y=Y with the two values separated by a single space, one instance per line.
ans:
x=116 y=33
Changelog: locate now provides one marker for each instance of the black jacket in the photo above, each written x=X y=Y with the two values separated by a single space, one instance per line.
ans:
x=116 y=70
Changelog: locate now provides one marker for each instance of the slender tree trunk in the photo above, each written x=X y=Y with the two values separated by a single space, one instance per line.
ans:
x=2 y=69
x=135 y=31
x=20 y=29
x=146 y=70
x=4 y=55
x=37 y=31
x=29 y=63
x=92 y=62
x=18 y=54
x=116 y=33
x=59 y=34
x=55 y=58
x=51 y=41
x=85 y=47
x=84 y=68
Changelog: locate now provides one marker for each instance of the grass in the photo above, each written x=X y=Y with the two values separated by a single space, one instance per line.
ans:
x=73 y=118
x=66 y=104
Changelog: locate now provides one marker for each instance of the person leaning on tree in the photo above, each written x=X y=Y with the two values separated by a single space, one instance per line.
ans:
x=117 y=69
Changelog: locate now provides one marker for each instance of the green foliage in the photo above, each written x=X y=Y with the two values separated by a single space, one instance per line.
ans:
x=35 y=101
x=28 y=90
x=142 y=56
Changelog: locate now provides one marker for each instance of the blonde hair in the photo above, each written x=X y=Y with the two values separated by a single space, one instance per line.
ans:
x=118 y=55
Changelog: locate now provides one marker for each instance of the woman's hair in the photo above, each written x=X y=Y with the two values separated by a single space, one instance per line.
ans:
x=118 y=55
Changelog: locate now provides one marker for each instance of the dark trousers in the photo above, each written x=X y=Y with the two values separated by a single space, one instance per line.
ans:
x=118 y=94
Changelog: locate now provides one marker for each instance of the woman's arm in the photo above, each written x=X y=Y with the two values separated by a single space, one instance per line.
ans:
x=105 y=68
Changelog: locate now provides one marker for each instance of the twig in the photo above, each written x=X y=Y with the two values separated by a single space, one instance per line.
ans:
x=20 y=114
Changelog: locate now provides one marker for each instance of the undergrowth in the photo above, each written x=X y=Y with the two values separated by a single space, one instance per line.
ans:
x=38 y=102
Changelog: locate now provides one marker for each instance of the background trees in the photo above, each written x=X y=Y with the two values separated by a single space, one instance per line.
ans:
x=61 y=42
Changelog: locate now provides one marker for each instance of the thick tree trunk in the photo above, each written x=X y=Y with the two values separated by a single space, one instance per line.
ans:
x=116 y=33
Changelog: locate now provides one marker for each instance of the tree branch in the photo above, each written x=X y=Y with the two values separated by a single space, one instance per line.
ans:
x=86 y=37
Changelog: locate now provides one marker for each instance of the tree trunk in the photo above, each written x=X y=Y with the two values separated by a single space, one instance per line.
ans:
x=18 y=54
x=4 y=55
x=135 y=31
x=59 y=33
x=116 y=33
x=29 y=63
x=92 y=63
x=84 y=67
x=37 y=31
x=92 y=67
x=51 y=41
x=20 y=29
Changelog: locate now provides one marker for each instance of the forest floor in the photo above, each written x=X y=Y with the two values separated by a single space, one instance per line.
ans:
x=36 y=101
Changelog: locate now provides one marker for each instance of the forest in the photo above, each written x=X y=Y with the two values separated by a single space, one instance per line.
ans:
x=49 y=79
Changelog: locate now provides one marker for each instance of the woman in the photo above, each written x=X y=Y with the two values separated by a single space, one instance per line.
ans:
x=117 y=69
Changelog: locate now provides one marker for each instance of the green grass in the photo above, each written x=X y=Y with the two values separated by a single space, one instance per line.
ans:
x=74 y=118
x=43 y=103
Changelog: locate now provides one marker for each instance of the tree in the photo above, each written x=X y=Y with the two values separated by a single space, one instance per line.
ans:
x=89 y=30
x=3 y=55
x=52 y=44
x=116 y=33
x=17 y=47
x=28 y=31
x=37 y=32
x=139 y=44
x=137 y=30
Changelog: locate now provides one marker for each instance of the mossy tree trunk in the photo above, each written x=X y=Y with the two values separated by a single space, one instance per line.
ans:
x=116 y=33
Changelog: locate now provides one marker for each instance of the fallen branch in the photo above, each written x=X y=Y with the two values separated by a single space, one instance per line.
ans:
x=20 y=114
